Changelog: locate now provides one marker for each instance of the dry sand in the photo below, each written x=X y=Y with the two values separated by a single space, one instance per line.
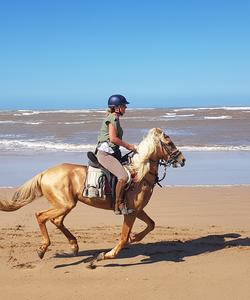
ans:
x=200 y=249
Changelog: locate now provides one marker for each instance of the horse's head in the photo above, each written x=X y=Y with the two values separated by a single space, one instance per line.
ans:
x=166 y=149
x=154 y=147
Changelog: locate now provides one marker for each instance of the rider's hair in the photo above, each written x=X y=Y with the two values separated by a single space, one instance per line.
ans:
x=110 y=110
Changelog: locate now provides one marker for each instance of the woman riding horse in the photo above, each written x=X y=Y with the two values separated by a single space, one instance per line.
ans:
x=108 y=152
x=63 y=185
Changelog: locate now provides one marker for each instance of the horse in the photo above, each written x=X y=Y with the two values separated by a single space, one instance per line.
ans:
x=63 y=186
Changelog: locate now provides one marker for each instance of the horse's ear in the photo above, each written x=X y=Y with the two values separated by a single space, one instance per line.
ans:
x=152 y=131
x=158 y=131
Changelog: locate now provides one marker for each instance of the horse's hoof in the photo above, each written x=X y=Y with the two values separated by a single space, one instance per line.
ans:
x=91 y=265
x=75 y=249
x=40 y=253
x=100 y=256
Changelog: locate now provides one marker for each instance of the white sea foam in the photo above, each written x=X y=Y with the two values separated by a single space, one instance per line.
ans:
x=71 y=123
x=21 y=122
x=217 y=117
x=213 y=108
x=7 y=187
x=204 y=185
x=189 y=115
x=236 y=108
x=43 y=145
x=174 y=115
x=215 y=148
x=170 y=115
x=65 y=111
x=136 y=118
x=141 y=108
x=7 y=122
x=33 y=123
x=19 y=145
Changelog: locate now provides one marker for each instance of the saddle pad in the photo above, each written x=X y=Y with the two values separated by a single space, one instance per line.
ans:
x=95 y=183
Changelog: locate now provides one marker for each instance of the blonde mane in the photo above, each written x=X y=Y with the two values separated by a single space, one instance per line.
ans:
x=140 y=162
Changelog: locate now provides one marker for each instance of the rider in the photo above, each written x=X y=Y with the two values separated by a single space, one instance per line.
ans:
x=109 y=141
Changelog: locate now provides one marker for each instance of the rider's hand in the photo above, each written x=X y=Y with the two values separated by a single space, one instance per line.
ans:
x=132 y=148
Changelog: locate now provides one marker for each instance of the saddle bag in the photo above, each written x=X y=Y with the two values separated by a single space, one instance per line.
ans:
x=95 y=183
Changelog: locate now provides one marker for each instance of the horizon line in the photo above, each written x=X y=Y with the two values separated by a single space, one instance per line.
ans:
x=128 y=108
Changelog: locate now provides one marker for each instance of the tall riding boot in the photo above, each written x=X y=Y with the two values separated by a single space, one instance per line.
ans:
x=120 y=207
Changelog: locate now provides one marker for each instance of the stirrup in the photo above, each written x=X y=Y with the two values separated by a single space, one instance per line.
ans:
x=126 y=211
x=117 y=212
x=123 y=211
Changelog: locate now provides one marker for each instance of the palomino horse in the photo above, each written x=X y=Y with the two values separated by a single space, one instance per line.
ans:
x=63 y=186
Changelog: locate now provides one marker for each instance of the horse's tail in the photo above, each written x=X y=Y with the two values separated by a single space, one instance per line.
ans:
x=24 y=195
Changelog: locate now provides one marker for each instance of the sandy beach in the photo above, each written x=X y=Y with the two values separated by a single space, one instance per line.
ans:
x=169 y=80
x=200 y=249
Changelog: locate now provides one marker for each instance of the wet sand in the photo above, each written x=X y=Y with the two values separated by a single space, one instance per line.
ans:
x=202 y=168
x=200 y=249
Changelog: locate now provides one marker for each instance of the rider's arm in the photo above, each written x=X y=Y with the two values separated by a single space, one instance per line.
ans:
x=115 y=139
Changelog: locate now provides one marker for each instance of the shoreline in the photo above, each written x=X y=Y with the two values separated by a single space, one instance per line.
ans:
x=201 y=169
x=175 y=186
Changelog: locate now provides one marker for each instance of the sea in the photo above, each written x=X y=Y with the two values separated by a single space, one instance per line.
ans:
x=214 y=140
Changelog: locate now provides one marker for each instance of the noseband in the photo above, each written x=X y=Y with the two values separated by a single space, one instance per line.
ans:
x=173 y=156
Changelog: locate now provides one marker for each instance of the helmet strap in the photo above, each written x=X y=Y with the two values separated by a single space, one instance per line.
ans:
x=118 y=111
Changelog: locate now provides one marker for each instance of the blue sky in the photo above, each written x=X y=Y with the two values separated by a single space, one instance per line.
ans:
x=74 y=54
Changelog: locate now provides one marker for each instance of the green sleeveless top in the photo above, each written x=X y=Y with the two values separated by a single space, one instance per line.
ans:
x=104 y=133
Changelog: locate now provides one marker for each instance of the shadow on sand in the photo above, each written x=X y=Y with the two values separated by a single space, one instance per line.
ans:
x=175 y=251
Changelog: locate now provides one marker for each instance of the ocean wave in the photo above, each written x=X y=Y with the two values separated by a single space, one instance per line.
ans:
x=217 y=118
x=34 y=145
x=213 y=108
x=32 y=123
x=174 y=115
x=71 y=123
x=65 y=111
x=44 y=145
x=215 y=148
x=207 y=185
x=8 y=122
x=21 y=122
x=26 y=113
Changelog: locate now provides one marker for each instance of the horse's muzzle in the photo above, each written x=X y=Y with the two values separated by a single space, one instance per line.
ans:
x=177 y=163
x=183 y=162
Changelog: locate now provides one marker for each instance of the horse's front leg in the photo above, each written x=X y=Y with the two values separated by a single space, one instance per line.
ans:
x=150 y=226
x=126 y=229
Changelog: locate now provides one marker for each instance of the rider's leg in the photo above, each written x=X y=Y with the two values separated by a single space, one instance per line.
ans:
x=119 y=192
x=115 y=167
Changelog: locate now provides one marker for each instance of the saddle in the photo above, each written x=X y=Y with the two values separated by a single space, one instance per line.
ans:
x=100 y=182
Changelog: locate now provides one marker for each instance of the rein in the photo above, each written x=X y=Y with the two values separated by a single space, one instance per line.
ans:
x=159 y=163
x=173 y=155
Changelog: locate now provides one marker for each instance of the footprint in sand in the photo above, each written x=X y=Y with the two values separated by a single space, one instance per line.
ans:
x=24 y=266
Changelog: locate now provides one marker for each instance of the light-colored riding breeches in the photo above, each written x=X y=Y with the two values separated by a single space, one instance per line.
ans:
x=112 y=164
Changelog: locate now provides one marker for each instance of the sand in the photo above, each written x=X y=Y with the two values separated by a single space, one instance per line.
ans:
x=200 y=249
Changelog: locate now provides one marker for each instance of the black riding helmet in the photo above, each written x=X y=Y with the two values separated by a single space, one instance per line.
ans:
x=116 y=100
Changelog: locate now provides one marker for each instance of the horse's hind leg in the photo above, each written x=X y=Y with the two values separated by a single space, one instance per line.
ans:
x=71 y=238
x=150 y=226
x=42 y=218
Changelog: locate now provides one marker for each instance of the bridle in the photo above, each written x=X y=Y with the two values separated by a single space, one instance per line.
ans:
x=173 y=156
